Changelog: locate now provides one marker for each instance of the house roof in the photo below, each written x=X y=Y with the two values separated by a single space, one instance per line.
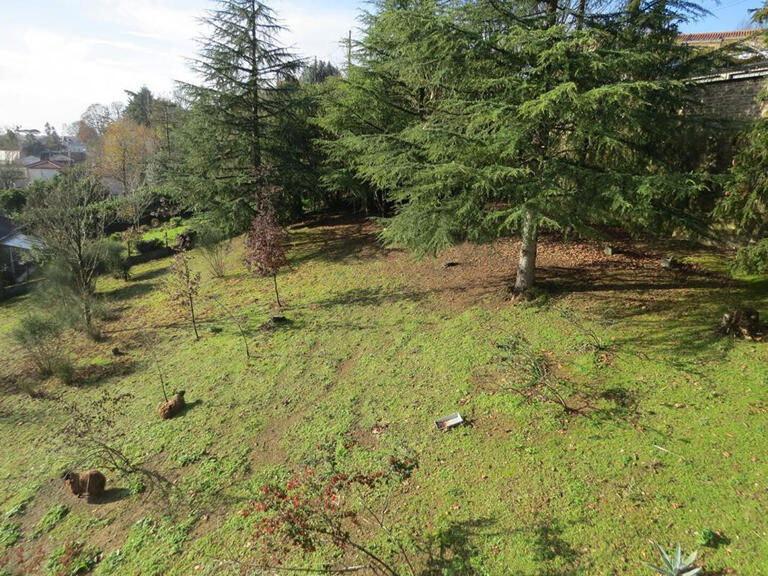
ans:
x=44 y=165
x=21 y=241
x=711 y=37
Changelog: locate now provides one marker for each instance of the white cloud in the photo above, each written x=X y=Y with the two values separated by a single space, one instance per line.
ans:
x=315 y=29
x=52 y=72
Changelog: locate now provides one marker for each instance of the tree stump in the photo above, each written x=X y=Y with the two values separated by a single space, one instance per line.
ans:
x=742 y=322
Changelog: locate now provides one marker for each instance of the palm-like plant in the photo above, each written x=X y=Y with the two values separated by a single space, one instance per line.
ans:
x=678 y=566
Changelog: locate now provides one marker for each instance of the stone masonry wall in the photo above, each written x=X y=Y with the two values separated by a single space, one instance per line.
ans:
x=734 y=99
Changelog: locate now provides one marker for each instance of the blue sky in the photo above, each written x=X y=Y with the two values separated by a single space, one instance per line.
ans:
x=59 y=56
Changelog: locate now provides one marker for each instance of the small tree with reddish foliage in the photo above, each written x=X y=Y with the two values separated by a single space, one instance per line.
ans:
x=313 y=511
x=182 y=286
x=264 y=251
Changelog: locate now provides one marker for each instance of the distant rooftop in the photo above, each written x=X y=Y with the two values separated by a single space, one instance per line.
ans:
x=713 y=37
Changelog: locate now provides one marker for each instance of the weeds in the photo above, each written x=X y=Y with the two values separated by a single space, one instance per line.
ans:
x=51 y=518
x=72 y=559
x=535 y=380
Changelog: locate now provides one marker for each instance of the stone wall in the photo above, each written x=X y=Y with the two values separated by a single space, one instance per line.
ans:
x=734 y=96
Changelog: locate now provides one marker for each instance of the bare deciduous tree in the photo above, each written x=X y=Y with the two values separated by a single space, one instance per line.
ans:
x=183 y=285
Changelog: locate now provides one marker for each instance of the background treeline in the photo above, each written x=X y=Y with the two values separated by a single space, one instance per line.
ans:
x=454 y=120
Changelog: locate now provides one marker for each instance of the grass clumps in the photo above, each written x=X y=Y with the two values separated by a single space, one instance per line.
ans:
x=51 y=518
x=9 y=534
x=73 y=559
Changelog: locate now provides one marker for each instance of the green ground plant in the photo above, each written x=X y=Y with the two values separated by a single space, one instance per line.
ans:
x=668 y=433
x=51 y=518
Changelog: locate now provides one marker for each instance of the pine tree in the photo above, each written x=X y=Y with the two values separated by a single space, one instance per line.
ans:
x=496 y=117
x=243 y=68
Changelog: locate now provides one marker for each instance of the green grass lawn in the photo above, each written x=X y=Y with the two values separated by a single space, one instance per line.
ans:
x=164 y=233
x=664 y=436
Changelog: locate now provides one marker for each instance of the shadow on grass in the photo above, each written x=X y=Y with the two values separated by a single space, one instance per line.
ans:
x=129 y=291
x=340 y=243
x=668 y=312
x=95 y=374
x=189 y=406
x=150 y=274
x=110 y=496
x=451 y=551
x=556 y=556
x=370 y=297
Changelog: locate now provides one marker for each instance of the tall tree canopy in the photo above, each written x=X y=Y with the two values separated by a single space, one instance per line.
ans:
x=243 y=92
x=484 y=118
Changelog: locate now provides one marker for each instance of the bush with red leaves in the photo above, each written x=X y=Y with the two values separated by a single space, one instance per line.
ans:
x=264 y=251
x=313 y=511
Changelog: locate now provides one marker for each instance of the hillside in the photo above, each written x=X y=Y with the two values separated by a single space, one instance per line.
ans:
x=603 y=415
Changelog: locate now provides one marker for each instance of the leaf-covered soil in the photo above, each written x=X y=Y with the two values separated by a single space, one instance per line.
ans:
x=647 y=425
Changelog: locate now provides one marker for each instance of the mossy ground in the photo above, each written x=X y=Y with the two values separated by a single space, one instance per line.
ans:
x=666 y=435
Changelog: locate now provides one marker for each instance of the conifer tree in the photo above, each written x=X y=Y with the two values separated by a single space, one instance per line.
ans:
x=491 y=117
x=242 y=93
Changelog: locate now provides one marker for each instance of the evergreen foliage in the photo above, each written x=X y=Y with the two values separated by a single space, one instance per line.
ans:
x=244 y=90
x=477 y=118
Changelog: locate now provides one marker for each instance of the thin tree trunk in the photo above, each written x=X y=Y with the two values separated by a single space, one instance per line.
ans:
x=194 y=322
x=526 y=267
x=552 y=12
x=88 y=316
x=580 y=14
x=277 y=294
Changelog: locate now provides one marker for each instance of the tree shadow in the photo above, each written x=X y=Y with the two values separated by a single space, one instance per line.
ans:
x=129 y=291
x=370 y=297
x=671 y=312
x=338 y=243
x=450 y=550
x=549 y=548
x=150 y=274
x=94 y=374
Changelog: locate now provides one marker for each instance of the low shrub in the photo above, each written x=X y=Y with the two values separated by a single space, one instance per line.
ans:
x=41 y=338
x=215 y=247
x=753 y=259
x=116 y=261
x=147 y=246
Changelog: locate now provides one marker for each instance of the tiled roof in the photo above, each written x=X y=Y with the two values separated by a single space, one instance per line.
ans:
x=44 y=165
x=708 y=37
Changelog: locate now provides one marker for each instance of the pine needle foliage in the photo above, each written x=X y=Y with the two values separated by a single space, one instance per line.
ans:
x=484 y=118
x=243 y=68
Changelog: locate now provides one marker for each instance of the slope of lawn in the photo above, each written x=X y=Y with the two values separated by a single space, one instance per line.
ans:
x=649 y=426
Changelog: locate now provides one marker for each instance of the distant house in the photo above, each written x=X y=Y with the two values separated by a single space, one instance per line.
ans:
x=43 y=170
x=27 y=160
x=718 y=39
x=14 y=249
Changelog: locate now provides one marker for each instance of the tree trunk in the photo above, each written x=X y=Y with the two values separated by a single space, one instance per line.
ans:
x=277 y=294
x=194 y=321
x=552 y=6
x=580 y=14
x=526 y=267
x=88 y=315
